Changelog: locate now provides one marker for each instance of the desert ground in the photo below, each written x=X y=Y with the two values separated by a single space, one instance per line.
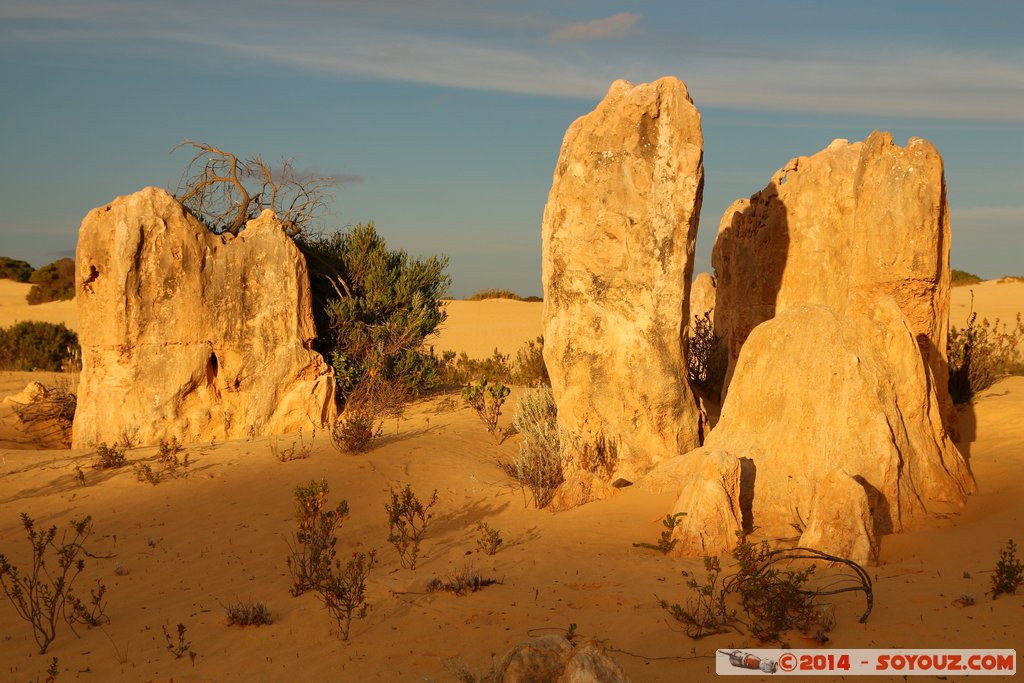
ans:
x=180 y=551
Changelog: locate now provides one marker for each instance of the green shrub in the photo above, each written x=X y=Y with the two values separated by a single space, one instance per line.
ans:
x=31 y=345
x=981 y=353
x=374 y=306
x=312 y=550
x=489 y=539
x=53 y=282
x=666 y=543
x=355 y=431
x=528 y=369
x=1009 y=571
x=343 y=590
x=109 y=457
x=962 y=277
x=487 y=399
x=705 y=356
x=485 y=294
x=538 y=465
x=13 y=269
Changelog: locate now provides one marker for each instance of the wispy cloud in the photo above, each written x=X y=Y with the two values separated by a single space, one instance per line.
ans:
x=615 y=26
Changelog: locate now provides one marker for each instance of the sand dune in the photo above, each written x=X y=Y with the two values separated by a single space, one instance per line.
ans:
x=14 y=308
x=183 y=549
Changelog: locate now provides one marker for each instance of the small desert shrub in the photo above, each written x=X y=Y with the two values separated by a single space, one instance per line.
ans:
x=489 y=539
x=13 y=269
x=53 y=282
x=774 y=594
x=962 y=277
x=407 y=523
x=981 y=353
x=343 y=590
x=171 y=466
x=299 y=450
x=312 y=550
x=109 y=457
x=355 y=431
x=51 y=409
x=460 y=581
x=462 y=369
x=530 y=369
x=487 y=399
x=45 y=595
x=31 y=345
x=538 y=466
x=1009 y=572
x=665 y=543
x=705 y=356
x=248 y=613
x=485 y=294
x=179 y=646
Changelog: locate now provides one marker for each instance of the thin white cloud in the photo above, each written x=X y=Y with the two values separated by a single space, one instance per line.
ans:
x=615 y=26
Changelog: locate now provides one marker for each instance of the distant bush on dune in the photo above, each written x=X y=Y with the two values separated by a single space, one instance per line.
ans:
x=962 y=277
x=13 y=269
x=494 y=294
x=53 y=282
x=31 y=345
x=528 y=369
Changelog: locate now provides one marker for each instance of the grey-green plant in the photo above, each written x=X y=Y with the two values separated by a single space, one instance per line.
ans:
x=488 y=539
x=408 y=519
x=1009 y=571
x=538 y=466
x=44 y=595
x=312 y=547
x=665 y=543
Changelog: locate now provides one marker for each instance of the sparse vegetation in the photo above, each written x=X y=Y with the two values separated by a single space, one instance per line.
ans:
x=171 y=466
x=50 y=411
x=374 y=306
x=705 y=356
x=665 y=543
x=775 y=594
x=312 y=549
x=1009 y=572
x=485 y=294
x=343 y=590
x=527 y=370
x=530 y=369
x=962 y=277
x=460 y=581
x=179 y=646
x=31 y=345
x=538 y=465
x=53 y=282
x=487 y=399
x=354 y=431
x=299 y=450
x=981 y=353
x=248 y=613
x=407 y=523
x=489 y=539
x=109 y=457
x=44 y=595
x=13 y=269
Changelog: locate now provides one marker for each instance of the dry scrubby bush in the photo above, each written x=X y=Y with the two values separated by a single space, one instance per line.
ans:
x=31 y=345
x=528 y=369
x=355 y=430
x=981 y=353
x=466 y=579
x=109 y=457
x=312 y=548
x=407 y=523
x=248 y=613
x=773 y=592
x=53 y=282
x=489 y=539
x=343 y=590
x=51 y=409
x=171 y=466
x=705 y=356
x=538 y=465
x=44 y=595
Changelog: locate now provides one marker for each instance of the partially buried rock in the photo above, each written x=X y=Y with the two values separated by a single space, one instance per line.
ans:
x=193 y=335
x=553 y=659
x=842 y=520
x=709 y=502
x=618 y=237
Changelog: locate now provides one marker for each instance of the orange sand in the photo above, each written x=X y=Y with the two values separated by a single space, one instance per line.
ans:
x=187 y=547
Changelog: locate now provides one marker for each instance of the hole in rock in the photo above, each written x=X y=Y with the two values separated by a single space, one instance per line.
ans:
x=748 y=472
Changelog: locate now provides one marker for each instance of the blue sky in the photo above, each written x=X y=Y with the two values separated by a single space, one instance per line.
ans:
x=446 y=117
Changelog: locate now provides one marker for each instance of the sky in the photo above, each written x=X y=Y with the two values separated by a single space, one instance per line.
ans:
x=444 y=118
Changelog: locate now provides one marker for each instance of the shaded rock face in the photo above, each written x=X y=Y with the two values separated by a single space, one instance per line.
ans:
x=618 y=238
x=853 y=223
x=843 y=521
x=710 y=503
x=189 y=334
x=815 y=392
x=702 y=296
